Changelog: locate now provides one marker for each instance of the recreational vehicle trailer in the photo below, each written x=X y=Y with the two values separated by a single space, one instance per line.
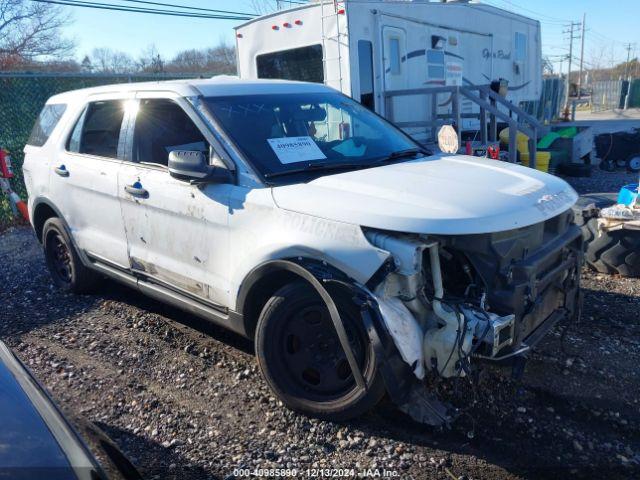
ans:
x=367 y=48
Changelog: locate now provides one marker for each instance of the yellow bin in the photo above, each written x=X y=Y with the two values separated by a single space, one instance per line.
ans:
x=542 y=160
x=521 y=140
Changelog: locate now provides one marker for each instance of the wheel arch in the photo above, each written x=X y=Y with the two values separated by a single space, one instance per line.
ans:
x=43 y=209
x=267 y=278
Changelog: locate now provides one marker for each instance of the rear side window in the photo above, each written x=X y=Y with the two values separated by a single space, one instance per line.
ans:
x=303 y=64
x=46 y=122
x=97 y=131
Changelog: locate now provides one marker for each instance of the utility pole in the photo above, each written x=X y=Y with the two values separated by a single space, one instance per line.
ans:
x=627 y=76
x=571 y=39
x=626 y=67
x=584 y=20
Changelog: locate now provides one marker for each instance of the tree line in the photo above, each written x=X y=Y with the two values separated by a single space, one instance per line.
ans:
x=31 y=39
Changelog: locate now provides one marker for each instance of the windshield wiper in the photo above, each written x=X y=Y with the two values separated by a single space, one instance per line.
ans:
x=327 y=167
x=317 y=167
x=409 y=152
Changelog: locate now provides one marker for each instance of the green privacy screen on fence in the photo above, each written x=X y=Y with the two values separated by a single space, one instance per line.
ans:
x=634 y=94
x=22 y=96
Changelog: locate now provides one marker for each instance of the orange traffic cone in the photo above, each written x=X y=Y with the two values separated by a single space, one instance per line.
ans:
x=20 y=205
x=16 y=203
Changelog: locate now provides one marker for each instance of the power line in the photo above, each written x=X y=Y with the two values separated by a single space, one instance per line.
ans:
x=188 y=7
x=604 y=37
x=572 y=37
x=121 y=8
x=550 y=18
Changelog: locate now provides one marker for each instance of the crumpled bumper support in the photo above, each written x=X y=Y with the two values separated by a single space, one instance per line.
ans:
x=404 y=389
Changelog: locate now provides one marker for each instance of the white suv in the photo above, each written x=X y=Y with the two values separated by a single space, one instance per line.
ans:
x=289 y=213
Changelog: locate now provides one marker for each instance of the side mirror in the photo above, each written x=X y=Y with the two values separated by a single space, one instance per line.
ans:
x=192 y=166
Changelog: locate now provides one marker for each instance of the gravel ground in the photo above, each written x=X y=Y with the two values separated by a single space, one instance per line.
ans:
x=184 y=399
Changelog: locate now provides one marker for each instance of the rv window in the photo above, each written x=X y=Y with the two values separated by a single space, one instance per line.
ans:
x=394 y=56
x=304 y=64
x=521 y=47
x=435 y=56
x=365 y=67
x=435 y=65
x=436 y=72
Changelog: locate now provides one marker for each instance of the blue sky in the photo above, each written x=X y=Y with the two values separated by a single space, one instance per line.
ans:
x=610 y=24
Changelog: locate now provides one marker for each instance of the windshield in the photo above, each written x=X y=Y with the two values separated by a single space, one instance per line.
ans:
x=282 y=134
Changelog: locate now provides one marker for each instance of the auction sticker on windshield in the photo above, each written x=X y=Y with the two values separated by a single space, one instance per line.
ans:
x=296 y=149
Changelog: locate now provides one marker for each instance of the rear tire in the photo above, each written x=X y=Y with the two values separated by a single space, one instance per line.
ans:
x=302 y=360
x=67 y=270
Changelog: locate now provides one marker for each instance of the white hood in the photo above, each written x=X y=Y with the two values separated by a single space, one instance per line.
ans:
x=441 y=194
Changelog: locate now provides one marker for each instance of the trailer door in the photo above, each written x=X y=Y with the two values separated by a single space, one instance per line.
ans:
x=394 y=54
x=394 y=50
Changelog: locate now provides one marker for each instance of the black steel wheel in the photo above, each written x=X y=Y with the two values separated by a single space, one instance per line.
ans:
x=59 y=258
x=301 y=357
x=67 y=271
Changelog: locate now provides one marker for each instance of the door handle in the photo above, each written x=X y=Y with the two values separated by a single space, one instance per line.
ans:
x=136 y=190
x=62 y=171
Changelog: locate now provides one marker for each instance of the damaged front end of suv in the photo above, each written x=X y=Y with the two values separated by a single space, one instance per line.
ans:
x=451 y=301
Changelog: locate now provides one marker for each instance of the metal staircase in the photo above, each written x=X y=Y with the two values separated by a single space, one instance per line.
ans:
x=491 y=108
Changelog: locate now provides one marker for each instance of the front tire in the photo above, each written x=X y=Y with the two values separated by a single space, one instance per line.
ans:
x=302 y=360
x=67 y=270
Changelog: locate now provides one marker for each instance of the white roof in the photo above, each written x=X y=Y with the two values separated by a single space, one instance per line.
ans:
x=223 y=85
x=390 y=4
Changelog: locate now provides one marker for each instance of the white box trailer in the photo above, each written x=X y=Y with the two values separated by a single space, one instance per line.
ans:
x=365 y=48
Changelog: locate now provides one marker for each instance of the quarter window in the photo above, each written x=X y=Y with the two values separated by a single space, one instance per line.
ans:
x=162 y=126
x=303 y=64
x=97 y=131
x=46 y=122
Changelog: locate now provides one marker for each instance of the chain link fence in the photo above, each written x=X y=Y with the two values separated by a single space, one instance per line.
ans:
x=606 y=95
x=22 y=96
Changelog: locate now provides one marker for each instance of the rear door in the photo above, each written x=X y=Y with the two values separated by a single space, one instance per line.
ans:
x=83 y=182
x=176 y=232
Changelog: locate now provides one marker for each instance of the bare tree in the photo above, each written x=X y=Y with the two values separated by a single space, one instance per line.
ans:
x=262 y=7
x=216 y=60
x=150 y=60
x=105 y=60
x=29 y=30
x=191 y=61
x=547 y=66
